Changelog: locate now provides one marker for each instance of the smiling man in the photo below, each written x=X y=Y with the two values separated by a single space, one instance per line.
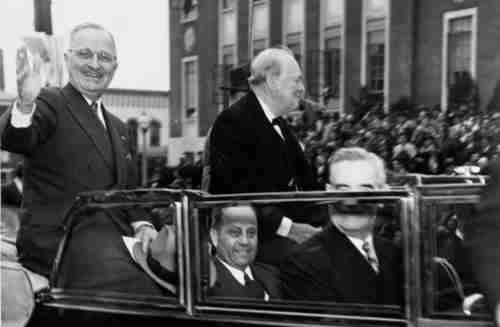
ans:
x=347 y=262
x=234 y=235
x=72 y=144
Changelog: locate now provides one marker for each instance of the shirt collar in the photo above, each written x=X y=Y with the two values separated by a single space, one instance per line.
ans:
x=357 y=242
x=90 y=102
x=238 y=274
x=270 y=116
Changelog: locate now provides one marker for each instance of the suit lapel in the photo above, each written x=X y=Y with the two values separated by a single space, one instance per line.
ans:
x=226 y=285
x=354 y=278
x=266 y=280
x=119 y=150
x=80 y=110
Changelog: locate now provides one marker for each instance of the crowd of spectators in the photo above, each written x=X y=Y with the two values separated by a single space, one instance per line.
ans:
x=425 y=141
x=186 y=175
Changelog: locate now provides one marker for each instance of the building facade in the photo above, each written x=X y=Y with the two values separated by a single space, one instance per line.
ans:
x=146 y=114
x=392 y=49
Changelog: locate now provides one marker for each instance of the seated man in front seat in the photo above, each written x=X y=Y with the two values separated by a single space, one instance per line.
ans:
x=346 y=262
x=233 y=233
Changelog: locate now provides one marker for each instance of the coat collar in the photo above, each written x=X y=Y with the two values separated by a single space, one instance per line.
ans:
x=265 y=130
x=347 y=262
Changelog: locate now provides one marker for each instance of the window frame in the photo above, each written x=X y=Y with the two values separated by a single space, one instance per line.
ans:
x=322 y=48
x=221 y=45
x=430 y=197
x=111 y=301
x=364 y=48
x=194 y=116
x=187 y=18
x=302 y=38
x=447 y=18
x=251 y=32
x=155 y=124
x=246 y=310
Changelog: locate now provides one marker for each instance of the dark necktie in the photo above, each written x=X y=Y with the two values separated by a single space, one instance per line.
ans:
x=253 y=289
x=370 y=255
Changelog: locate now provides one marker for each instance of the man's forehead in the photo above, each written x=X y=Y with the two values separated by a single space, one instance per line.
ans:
x=350 y=173
x=239 y=215
x=92 y=37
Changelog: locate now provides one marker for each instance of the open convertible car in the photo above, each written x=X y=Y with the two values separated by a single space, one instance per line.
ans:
x=423 y=218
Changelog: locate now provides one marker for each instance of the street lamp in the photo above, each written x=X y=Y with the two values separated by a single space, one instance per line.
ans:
x=144 y=122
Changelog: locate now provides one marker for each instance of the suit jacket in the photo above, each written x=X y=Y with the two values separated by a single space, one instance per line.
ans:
x=328 y=267
x=227 y=286
x=247 y=155
x=67 y=150
x=482 y=238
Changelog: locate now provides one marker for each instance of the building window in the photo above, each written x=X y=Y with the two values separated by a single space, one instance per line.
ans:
x=190 y=87
x=459 y=52
x=374 y=68
x=332 y=21
x=227 y=33
x=2 y=80
x=133 y=126
x=189 y=10
x=375 y=61
x=154 y=133
x=260 y=26
x=293 y=22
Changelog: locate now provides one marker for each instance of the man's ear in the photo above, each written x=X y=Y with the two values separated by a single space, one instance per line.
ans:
x=272 y=81
x=214 y=238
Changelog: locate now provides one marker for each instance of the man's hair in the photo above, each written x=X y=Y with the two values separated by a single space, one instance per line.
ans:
x=268 y=61
x=89 y=25
x=360 y=154
x=218 y=214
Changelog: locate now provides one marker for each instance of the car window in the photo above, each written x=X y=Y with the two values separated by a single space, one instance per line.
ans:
x=102 y=253
x=449 y=285
x=352 y=263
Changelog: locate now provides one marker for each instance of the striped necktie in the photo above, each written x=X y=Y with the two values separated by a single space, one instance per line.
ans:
x=370 y=255
x=94 y=108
